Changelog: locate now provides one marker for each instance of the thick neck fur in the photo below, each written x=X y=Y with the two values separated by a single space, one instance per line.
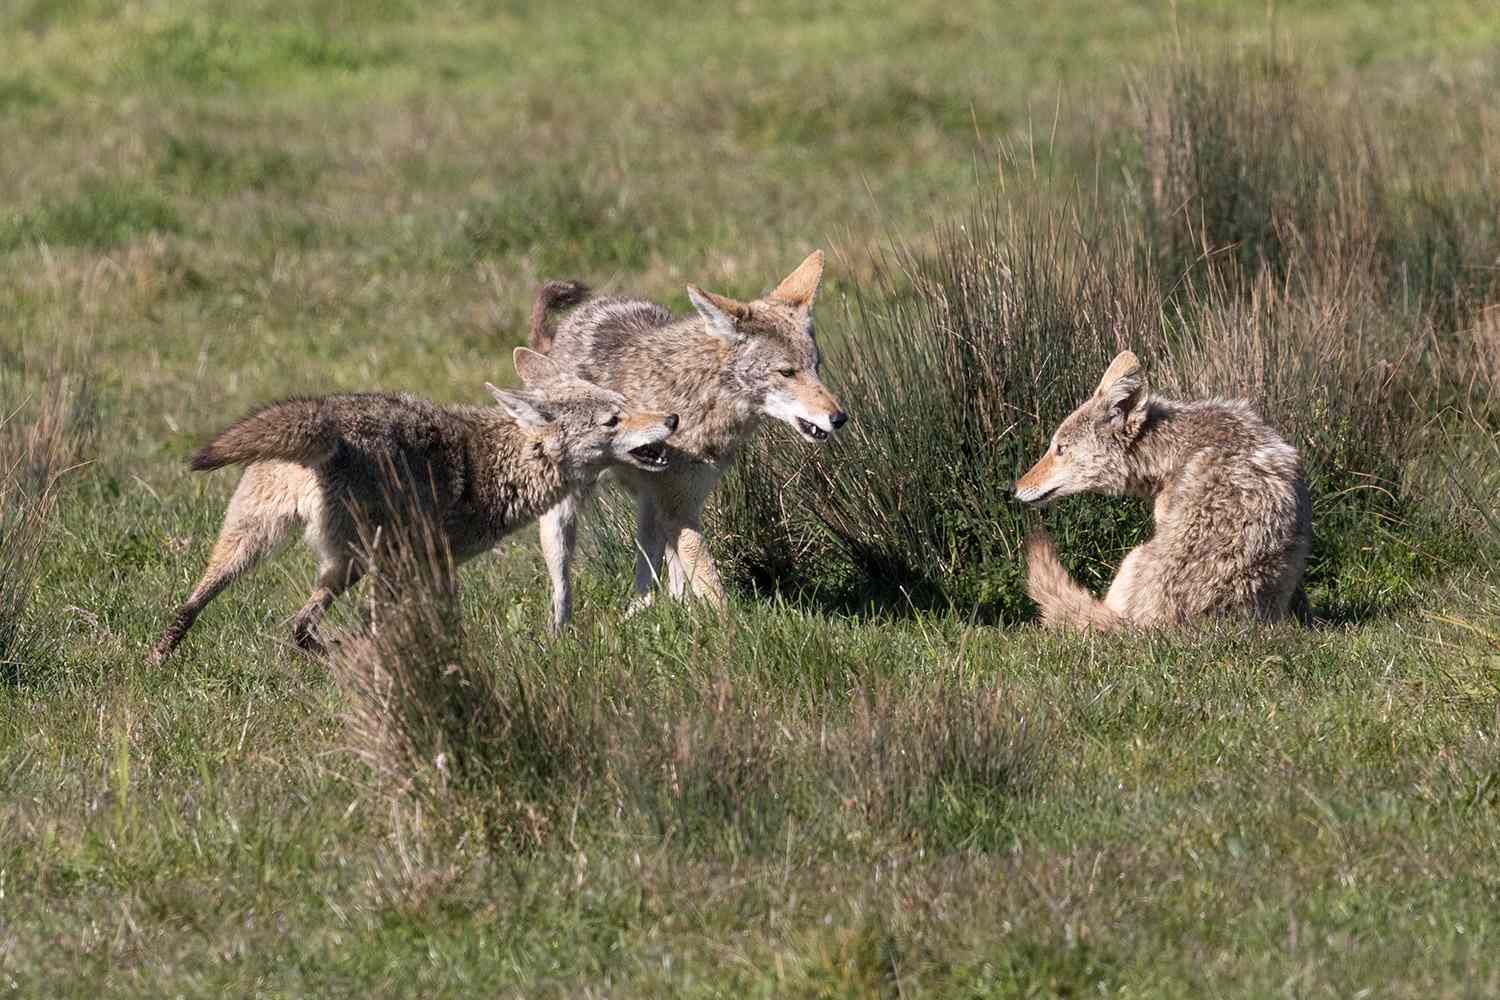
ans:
x=685 y=369
x=664 y=363
x=518 y=472
x=1173 y=432
x=1157 y=454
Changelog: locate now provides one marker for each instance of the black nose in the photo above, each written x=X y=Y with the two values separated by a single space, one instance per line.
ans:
x=671 y=421
x=839 y=419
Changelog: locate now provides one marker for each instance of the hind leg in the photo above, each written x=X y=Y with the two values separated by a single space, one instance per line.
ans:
x=262 y=512
x=334 y=577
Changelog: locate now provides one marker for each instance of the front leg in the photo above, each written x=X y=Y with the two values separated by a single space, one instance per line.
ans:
x=692 y=566
x=559 y=531
x=650 y=545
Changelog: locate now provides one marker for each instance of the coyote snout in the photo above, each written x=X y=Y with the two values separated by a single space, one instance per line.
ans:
x=640 y=440
x=1036 y=487
x=799 y=398
x=1233 y=518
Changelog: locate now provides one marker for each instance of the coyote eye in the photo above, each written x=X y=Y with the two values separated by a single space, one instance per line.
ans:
x=787 y=372
x=613 y=420
x=1059 y=448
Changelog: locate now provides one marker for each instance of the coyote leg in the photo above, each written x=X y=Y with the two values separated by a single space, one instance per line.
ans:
x=559 y=531
x=651 y=544
x=334 y=577
x=252 y=527
x=692 y=566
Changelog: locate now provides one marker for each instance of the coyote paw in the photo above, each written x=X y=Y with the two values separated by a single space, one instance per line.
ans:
x=639 y=603
x=310 y=643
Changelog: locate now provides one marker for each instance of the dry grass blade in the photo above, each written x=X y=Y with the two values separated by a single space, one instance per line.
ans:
x=41 y=439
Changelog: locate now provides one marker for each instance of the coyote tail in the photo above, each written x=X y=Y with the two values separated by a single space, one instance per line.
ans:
x=1062 y=600
x=294 y=430
x=553 y=295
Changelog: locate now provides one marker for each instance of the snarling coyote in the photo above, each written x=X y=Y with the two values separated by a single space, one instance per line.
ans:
x=724 y=369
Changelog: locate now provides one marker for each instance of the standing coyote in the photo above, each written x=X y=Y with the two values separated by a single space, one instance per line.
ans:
x=723 y=369
x=1233 y=519
x=478 y=473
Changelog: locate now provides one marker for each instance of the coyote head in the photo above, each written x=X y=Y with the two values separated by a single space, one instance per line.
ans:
x=585 y=427
x=775 y=363
x=1090 y=449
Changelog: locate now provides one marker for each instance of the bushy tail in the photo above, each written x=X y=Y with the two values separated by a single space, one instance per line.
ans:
x=1063 y=602
x=553 y=295
x=294 y=430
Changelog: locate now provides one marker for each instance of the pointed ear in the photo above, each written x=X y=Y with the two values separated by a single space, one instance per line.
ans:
x=523 y=410
x=1123 y=392
x=800 y=288
x=1125 y=365
x=719 y=312
x=534 y=368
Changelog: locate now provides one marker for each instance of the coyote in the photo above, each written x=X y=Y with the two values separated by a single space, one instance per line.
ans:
x=723 y=369
x=478 y=473
x=1233 y=518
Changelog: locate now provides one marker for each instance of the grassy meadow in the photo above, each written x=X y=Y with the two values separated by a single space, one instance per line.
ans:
x=877 y=776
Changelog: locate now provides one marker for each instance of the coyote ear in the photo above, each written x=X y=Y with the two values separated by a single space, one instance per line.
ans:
x=1125 y=365
x=533 y=367
x=523 y=410
x=800 y=288
x=719 y=312
x=1123 y=392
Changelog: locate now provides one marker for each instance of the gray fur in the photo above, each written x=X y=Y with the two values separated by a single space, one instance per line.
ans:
x=724 y=369
x=476 y=473
x=1230 y=501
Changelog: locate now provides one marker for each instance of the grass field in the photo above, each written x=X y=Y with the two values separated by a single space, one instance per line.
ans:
x=877 y=776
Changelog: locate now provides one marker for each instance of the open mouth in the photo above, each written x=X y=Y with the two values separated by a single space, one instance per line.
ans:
x=1042 y=497
x=811 y=430
x=650 y=456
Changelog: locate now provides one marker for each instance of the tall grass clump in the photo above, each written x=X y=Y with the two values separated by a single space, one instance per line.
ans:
x=439 y=728
x=43 y=435
x=1247 y=165
x=1235 y=168
x=519 y=746
x=1259 y=252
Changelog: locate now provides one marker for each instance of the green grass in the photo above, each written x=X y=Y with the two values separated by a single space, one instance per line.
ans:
x=211 y=204
x=103 y=214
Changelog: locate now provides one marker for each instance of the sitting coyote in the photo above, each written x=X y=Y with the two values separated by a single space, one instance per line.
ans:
x=723 y=369
x=1233 y=519
x=477 y=473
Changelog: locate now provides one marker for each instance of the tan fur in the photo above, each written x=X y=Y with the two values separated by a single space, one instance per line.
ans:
x=724 y=369
x=1231 y=508
x=800 y=288
x=734 y=307
x=1062 y=601
x=476 y=473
